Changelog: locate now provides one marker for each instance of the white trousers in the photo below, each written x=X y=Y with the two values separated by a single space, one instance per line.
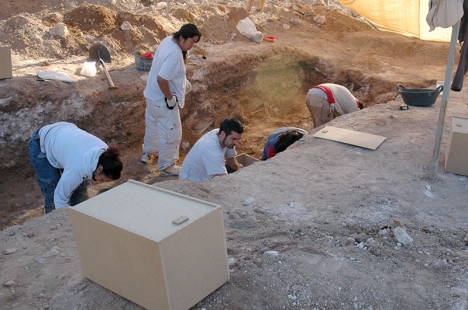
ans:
x=163 y=132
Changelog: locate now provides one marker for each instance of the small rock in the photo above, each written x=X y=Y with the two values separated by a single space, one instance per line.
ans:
x=31 y=234
x=402 y=236
x=126 y=26
x=248 y=202
x=271 y=253
x=10 y=251
x=258 y=261
x=320 y=19
x=231 y=262
x=296 y=288
x=161 y=5
x=9 y=283
x=59 y=30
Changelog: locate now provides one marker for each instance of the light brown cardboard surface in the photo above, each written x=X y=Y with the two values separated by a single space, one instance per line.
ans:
x=457 y=147
x=245 y=160
x=127 y=243
x=5 y=62
x=352 y=137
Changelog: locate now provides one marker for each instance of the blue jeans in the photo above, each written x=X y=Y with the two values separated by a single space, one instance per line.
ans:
x=48 y=176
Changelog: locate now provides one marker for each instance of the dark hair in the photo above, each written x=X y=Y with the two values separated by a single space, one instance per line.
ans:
x=187 y=31
x=287 y=138
x=111 y=163
x=231 y=124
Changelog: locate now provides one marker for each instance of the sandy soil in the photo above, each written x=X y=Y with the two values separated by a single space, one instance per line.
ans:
x=329 y=210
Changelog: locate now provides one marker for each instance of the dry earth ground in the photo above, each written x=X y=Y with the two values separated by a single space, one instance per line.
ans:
x=329 y=210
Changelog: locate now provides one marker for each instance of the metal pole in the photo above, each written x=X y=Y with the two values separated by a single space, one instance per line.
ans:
x=167 y=8
x=272 y=4
x=443 y=103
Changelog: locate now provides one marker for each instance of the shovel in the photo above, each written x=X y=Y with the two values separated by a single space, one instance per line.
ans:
x=98 y=52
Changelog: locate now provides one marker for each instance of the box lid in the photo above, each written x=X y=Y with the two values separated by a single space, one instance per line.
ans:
x=144 y=209
x=459 y=124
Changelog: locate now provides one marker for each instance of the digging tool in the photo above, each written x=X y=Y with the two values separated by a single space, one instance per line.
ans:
x=98 y=52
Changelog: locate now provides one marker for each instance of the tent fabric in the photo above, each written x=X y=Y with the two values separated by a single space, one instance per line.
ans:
x=407 y=17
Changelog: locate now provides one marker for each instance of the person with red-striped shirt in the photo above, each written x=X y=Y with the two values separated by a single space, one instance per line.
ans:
x=328 y=101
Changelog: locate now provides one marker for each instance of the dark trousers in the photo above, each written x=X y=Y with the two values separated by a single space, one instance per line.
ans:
x=457 y=83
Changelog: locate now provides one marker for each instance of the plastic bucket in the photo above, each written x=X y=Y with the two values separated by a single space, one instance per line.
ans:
x=418 y=96
x=142 y=63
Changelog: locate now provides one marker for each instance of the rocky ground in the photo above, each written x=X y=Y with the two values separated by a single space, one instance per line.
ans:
x=323 y=225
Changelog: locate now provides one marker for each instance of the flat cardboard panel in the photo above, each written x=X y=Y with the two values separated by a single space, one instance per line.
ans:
x=128 y=243
x=352 y=137
x=457 y=147
x=245 y=159
x=5 y=62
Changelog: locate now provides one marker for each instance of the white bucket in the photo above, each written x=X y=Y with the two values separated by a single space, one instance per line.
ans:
x=89 y=69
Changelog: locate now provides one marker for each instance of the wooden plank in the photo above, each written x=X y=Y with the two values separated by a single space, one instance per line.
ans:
x=249 y=5
x=260 y=4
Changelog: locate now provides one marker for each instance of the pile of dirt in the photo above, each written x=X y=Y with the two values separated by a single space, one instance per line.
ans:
x=327 y=211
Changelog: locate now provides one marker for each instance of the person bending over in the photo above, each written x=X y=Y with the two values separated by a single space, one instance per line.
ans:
x=328 y=101
x=66 y=159
x=210 y=154
x=279 y=140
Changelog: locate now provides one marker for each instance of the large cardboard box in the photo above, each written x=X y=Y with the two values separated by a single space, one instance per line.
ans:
x=245 y=160
x=456 y=153
x=157 y=248
x=5 y=63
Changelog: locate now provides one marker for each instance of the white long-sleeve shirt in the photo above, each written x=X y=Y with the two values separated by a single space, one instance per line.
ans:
x=75 y=151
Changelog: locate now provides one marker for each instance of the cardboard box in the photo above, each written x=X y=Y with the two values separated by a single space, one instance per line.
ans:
x=5 y=63
x=245 y=159
x=457 y=147
x=157 y=248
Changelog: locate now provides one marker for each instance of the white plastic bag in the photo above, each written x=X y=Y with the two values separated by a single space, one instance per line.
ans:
x=55 y=75
x=248 y=29
x=89 y=69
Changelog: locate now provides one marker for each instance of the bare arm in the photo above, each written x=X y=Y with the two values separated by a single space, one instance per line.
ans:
x=232 y=162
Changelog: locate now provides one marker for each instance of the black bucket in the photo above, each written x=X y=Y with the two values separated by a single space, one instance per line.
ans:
x=418 y=96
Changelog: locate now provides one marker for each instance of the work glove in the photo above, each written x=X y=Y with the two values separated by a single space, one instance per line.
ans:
x=170 y=104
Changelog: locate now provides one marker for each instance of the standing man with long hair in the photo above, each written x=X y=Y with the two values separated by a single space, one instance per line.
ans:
x=165 y=93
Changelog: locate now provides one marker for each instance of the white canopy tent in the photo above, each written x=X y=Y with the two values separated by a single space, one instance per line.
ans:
x=408 y=17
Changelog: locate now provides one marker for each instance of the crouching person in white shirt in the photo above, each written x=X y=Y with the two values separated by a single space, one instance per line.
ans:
x=213 y=151
x=66 y=159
